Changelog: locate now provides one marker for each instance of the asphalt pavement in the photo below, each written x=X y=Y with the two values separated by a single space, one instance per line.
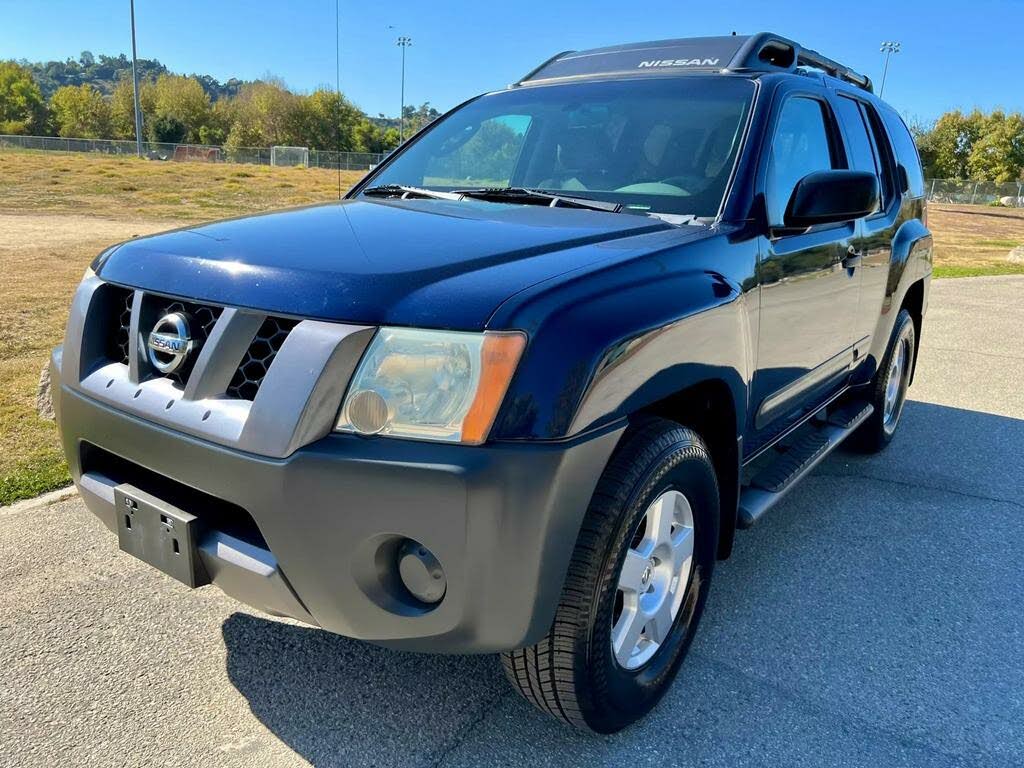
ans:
x=875 y=618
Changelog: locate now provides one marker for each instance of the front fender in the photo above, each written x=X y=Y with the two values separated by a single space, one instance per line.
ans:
x=608 y=343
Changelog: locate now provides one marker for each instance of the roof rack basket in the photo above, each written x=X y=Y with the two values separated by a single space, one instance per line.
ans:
x=766 y=51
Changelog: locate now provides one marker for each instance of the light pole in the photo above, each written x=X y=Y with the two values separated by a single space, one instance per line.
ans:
x=889 y=47
x=403 y=43
x=135 y=89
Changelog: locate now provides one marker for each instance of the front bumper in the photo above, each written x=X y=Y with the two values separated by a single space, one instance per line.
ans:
x=502 y=520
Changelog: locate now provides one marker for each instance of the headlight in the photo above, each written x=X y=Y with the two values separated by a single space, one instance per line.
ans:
x=431 y=385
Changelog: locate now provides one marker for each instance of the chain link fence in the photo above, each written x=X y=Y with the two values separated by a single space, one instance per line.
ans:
x=348 y=161
x=958 y=191
x=1010 y=194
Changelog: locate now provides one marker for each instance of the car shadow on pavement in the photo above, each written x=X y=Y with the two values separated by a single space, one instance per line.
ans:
x=873 y=617
x=338 y=701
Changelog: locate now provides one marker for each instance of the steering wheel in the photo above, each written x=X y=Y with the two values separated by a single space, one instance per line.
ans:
x=655 y=188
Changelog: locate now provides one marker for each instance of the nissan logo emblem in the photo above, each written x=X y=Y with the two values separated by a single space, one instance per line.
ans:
x=170 y=343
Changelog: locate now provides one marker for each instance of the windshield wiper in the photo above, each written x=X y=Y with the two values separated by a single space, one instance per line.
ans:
x=536 y=197
x=404 y=192
x=498 y=194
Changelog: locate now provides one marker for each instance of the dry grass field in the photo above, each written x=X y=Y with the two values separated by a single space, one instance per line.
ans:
x=975 y=240
x=58 y=211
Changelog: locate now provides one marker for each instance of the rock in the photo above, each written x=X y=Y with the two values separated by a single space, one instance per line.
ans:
x=1017 y=255
x=44 y=401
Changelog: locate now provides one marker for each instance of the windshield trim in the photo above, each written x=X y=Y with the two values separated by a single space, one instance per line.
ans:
x=740 y=151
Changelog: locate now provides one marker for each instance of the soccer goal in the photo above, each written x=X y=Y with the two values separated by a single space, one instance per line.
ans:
x=290 y=156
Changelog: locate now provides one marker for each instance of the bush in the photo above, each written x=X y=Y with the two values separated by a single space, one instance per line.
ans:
x=14 y=127
x=167 y=130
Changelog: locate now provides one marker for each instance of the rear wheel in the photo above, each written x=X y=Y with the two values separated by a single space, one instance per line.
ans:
x=888 y=392
x=635 y=588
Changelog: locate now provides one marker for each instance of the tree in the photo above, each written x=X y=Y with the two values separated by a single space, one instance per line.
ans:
x=325 y=120
x=21 y=103
x=417 y=117
x=951 y=142
x=219 y=122
x=167 y=129
x=979 y=146
x=183 y=100
x=263 y=116
x=371 y=137
x=998 y=153
x=80 y=112
x=122 y=108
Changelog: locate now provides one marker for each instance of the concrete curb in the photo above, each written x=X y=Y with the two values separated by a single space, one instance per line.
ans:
x=61 y=494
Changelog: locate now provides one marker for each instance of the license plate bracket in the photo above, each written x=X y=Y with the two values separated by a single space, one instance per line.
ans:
x=159 y=534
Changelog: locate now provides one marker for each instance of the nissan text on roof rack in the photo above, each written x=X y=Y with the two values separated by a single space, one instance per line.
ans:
x=517 y=392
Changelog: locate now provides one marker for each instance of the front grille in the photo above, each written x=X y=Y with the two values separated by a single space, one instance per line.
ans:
x=113 y=332
x=121 y=315
x=203 y=316
x=258 y=357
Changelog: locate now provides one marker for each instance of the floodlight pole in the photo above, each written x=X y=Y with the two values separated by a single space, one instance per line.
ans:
x=403 y=43
x=135 y=88
x=889 y=47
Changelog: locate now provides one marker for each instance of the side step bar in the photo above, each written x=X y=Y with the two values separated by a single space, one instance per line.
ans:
x=771 y=484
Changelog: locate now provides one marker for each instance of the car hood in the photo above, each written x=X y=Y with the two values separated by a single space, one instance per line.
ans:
x=429 y=263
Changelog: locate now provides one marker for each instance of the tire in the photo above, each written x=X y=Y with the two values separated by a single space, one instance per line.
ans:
x=574 y=673
x=878 y=430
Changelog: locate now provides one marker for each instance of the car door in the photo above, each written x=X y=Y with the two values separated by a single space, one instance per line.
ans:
x=868 y=149
x=808 y=297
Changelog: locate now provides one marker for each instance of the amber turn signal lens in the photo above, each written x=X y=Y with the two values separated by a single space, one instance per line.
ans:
x=499 y=357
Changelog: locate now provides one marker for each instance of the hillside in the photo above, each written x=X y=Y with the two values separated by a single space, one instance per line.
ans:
x=104 y=72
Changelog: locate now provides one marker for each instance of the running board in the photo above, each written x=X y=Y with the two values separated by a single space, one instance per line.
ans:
x=770 y=485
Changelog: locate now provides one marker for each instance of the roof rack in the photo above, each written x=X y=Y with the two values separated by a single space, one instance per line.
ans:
x=762 y=52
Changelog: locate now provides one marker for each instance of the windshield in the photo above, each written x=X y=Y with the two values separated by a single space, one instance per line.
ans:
x=664 y=145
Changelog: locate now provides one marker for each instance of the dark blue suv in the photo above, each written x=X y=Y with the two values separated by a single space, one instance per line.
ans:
x=519 y=389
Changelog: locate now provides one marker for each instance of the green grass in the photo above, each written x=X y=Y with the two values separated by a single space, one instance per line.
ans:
x=1000 y=243
x=37 y=473
x=944 y=271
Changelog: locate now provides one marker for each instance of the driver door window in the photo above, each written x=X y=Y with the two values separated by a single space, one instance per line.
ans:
x=801 y=146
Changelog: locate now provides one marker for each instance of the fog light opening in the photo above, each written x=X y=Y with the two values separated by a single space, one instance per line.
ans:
x=421 y=572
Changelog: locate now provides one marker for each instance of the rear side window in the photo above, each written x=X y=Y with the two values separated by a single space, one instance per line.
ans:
x=906 y=152
x=860 y=153
x=883 y=153
x=801 y=146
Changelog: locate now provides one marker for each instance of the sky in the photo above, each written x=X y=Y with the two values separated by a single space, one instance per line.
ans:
x=954 y=54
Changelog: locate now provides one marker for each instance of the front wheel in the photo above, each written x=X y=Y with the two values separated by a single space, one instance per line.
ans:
x=636 y=585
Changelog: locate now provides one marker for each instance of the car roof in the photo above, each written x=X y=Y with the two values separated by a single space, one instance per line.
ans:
x=764 y=52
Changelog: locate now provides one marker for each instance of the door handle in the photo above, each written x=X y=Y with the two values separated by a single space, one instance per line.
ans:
x=853 y=259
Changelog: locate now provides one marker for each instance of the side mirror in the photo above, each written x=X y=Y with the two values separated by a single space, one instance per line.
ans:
x=829 y=197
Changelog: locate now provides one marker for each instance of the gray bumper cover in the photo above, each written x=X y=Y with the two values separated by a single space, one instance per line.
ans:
x=502 y=519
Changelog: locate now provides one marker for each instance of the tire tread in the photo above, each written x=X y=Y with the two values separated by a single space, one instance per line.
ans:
x=545 y=673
